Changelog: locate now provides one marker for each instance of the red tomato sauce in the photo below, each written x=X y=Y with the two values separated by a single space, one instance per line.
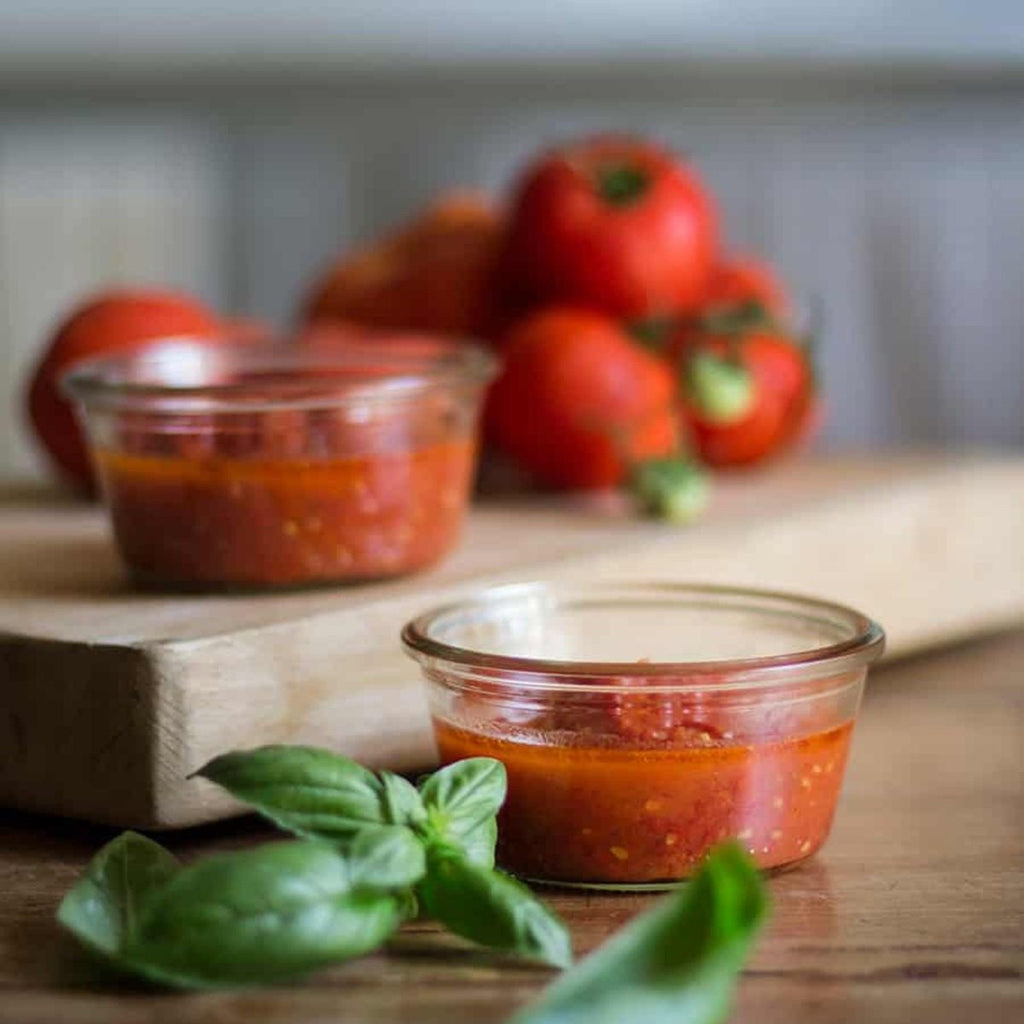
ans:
x=271 y=519
x=612 y=813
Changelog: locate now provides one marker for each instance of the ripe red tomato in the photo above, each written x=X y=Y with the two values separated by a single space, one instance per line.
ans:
x=436 y=273
x=752 y=398
x=112 y=322
x=742 y=280
x=578 y=401
x=615 y=224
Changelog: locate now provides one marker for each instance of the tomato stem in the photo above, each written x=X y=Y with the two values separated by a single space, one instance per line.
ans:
x=738 y=319
x=653 y=332
x=721 y=389
x=672 y=488
x=621 y=184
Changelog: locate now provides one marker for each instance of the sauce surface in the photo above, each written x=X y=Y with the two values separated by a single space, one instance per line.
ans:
x=274 y=519
x=613 y=813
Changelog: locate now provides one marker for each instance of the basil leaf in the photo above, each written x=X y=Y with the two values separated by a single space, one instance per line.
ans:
x=103 y=907
x=462 y=798
x=467 y=791
x=305 y=790
x=478 y=845
x=403 y=804
x=490 y=908
x=258 y=916
x=385 y=857
x=676 y=964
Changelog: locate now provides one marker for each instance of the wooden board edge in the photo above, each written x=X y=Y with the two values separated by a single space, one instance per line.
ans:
x=90 y=752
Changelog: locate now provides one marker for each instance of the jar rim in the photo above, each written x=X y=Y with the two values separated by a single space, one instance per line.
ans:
x=192 y=375
x=863 y=645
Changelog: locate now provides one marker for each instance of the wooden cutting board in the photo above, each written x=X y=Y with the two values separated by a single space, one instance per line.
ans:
x=110 y=698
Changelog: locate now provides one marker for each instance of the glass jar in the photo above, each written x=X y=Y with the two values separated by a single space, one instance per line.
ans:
x=262 y=465
x=640 y=725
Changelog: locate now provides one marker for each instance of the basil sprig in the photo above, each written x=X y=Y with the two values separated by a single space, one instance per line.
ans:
x=451 y=815
x=254 y=916
x=371 y=848
x=676 y=964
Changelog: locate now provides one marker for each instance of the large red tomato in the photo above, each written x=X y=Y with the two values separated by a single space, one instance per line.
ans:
x=616 y=224
x=436 y=273
x=578 y=402
x=112 y=322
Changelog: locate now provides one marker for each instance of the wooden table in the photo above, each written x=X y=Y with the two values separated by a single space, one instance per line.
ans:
x=913 y=912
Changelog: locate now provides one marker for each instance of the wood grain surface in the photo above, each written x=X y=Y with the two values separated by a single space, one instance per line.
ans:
x=138 y=690
x=913 y=912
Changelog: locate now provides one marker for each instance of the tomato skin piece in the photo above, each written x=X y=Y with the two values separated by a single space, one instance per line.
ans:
x=636 y=251
x=655 y=717
x=111 y=322
x=578 y=400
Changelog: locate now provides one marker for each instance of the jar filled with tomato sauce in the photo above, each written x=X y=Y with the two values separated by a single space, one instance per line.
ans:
x=641 y=725
x=275 y=466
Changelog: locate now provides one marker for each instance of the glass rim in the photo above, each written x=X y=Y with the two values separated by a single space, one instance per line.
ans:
x=863 y=646
x=350 y=374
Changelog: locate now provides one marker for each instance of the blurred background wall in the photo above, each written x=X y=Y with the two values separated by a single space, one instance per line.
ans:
x=874 y=150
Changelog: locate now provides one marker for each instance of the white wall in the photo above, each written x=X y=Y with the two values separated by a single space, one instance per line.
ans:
x=376 y=33
x=901 y=206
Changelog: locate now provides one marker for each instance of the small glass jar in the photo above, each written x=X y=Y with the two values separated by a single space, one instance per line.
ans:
x=264 y=466
x=641 y=725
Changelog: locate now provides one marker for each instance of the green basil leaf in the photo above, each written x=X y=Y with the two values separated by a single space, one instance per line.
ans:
x=258 y=916
x=103 y=908
x=462 y=797
x=490 y=908
x=467 y=791
x=478 y=845
x=676 y=964
x=385 y=857
x=304 y=790
x=402 y=802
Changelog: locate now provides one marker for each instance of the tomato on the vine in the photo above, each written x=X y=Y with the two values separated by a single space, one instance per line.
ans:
x=615 y=224
x=578 y=402
x=748 y=396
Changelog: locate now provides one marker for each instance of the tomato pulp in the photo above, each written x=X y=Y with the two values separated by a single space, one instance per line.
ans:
x=279 y=520
x=612 y=813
